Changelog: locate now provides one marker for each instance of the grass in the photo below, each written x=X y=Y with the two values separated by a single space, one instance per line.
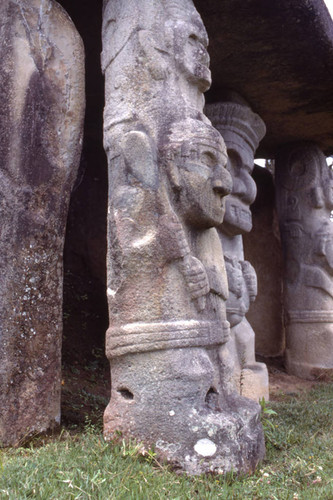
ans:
x=80 y=465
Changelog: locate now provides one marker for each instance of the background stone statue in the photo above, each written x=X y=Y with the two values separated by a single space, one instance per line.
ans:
x=242 y=131
x=41 y=120
x=167 y=285
x=305 y=201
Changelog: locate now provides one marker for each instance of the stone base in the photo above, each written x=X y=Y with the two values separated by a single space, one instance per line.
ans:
x=248 y=377
x=309 y=352
x=197 y=442
x=172 y=401
x=307 y=371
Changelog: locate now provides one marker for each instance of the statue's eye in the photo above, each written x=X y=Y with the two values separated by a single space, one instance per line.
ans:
x=208 y=159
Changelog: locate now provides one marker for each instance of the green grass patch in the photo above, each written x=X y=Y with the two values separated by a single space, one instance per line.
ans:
x=80 y=465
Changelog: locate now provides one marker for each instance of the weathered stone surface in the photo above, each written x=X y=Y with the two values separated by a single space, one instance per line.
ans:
x=278 y=56
x=41 y=119
x=304 y=200
x=242 y=130
x=167 y=286
x=265 y=314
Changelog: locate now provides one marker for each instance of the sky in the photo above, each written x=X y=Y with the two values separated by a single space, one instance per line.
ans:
x=329 y=4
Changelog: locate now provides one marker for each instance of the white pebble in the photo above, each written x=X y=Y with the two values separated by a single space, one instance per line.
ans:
x=205 y=448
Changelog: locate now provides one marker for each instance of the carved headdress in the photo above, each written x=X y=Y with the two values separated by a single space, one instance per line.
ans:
x=305 y=165
x=186 y=133
x=239 y=126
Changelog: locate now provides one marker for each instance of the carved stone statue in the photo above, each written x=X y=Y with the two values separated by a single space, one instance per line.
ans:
x=167 y=286
x=304 y=202
x=41 y=120
x=242 y=130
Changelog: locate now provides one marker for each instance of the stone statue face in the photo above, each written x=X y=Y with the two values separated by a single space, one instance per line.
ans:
x=238 y=217
x=308 y=180
x=190 y=45
x=242 y=282
x=203 y=180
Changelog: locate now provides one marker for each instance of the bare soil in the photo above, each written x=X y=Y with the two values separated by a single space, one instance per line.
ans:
x=281 y=384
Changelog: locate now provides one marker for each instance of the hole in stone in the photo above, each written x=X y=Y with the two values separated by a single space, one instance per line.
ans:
x=126 y=394
x=211 y=398
x=193 y=37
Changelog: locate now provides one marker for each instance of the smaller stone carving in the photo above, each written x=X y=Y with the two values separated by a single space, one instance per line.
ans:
x=242 y=130
x=195 y=160
x=188 y=41
x=304 y=201
x=242 y=280
x=160 y=47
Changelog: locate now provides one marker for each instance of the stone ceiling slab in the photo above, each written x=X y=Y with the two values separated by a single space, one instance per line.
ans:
x=279 y=56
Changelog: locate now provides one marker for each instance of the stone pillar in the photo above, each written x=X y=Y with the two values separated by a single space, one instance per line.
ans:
x=242 y=130
x=167 y=284
x=304 y=185
x=41 y=120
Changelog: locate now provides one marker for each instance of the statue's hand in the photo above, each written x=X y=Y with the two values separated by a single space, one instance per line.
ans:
x=196 y=280
x=176 y=247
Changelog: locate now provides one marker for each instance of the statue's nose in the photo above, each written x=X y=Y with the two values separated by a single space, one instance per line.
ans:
x=222 y=181
x=245 y=188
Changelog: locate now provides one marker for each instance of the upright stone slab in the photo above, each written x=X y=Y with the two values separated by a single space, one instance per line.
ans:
x=41 y=120
x=167 y=284
x=304 y=185
x=242 y=131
